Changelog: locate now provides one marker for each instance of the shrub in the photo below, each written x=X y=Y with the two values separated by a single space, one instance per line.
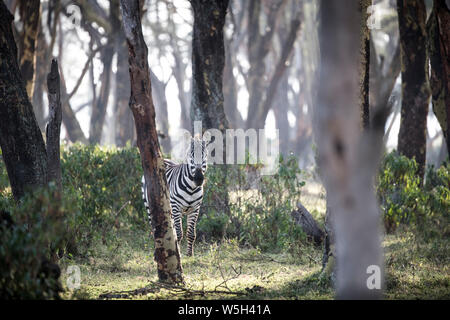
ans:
x=258 y=208
x=29 y=237
x=105 y=184
x=402 y=197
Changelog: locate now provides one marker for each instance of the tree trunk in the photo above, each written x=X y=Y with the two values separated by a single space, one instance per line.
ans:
x=208 y=61
x=348 y=157
x=40 y=74
x=167 y=254
x=23 y=148
x=288 y=46
x=101 y=103
x=280 y=110
x=30 y=13
x=53 y=128
x=364 y=64
x=162 y=116
x=70 y=120
x=412 y=136
x=258 y=48
x=124 y=123
x=438 y=28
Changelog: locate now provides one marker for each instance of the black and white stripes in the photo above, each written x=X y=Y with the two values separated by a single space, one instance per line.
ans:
x=185 y=183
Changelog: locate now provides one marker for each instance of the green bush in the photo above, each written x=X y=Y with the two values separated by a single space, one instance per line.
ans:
x=106 y=186
x=402 y=197
x=28 y=243
x=258 y=208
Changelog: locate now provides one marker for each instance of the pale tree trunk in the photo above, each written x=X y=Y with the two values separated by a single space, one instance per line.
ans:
x=259 y=43
x=412 y=136
x=162 y=115
x=348 y=157
x=438 y=28
x=124 y=123
x=167 y=254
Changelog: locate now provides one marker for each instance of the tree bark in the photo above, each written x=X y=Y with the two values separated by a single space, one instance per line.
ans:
x=23 y=148
x=53 y=128
x=167 y=254
x=208 y=61
x=364 y=64
x=348 y=157
x=30 y=13
x=438 y=29
x=415 y=87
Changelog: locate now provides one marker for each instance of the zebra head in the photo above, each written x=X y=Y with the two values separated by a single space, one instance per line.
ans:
x=197 y=160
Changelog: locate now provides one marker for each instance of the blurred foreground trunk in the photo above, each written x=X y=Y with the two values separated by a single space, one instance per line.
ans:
x=348 y=157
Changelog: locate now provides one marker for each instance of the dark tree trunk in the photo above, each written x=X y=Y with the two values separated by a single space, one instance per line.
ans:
x=30 y=16
x=364 y=64
x=23 y=148
x=167 y=254
x=208 y=60
x=412 y=136
x=438 y=27
x=54 y=126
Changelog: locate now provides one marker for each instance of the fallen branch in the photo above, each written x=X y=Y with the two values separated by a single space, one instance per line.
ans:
x=303 y=218
x=154 y=287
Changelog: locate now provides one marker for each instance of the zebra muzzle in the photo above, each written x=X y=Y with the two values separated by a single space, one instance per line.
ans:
x=198 y=177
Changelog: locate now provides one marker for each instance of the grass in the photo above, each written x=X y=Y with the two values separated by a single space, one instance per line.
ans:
x=417 y=267
x=415 y=270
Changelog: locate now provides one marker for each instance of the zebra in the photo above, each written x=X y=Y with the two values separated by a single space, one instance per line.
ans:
x=185 y=182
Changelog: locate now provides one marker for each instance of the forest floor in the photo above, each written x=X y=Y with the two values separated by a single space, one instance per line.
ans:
x=416 y=268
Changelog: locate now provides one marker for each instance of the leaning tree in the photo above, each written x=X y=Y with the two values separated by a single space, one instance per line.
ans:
x=167 y=254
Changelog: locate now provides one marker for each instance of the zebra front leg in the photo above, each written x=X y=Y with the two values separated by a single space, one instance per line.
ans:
x=191 y=233
x=176 y=215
